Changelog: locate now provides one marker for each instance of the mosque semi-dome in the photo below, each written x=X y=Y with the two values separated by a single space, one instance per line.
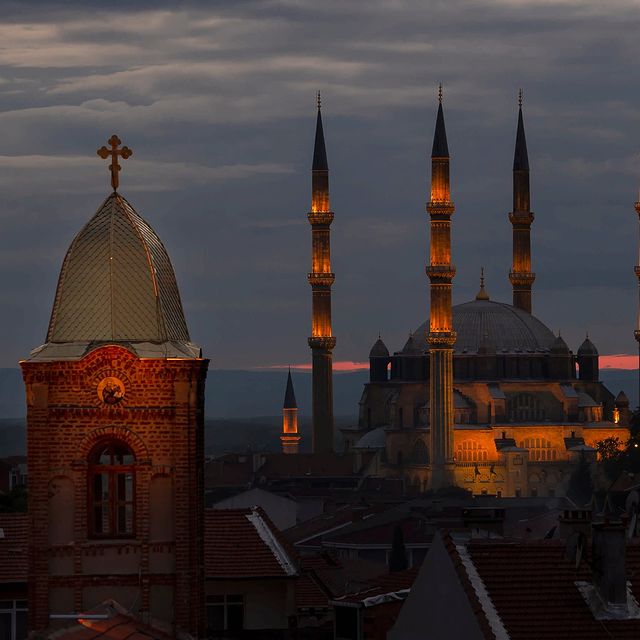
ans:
x=117 y=284
x=506 y=328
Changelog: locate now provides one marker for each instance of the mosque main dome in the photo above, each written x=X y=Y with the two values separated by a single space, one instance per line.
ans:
x=117 y=284
x=499 y=326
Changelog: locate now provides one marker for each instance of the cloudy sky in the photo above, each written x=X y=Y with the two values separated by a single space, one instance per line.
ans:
x=217 y=100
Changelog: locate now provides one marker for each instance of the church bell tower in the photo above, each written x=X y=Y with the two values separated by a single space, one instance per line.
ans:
x=441 y=336
x=115 y=433
x=321 y=278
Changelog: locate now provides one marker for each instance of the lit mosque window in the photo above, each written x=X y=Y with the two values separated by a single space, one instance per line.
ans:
x=540 y=449
x=471 y=451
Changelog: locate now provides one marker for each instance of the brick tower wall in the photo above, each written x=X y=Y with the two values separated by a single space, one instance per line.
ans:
x=158 y=572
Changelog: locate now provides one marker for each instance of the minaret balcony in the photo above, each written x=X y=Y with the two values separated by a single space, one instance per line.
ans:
x=521 y=218
x=321 y=279
x=441 y=273
x=320 y=218
x=322 y=342
x=522 y=278
x=442 y=339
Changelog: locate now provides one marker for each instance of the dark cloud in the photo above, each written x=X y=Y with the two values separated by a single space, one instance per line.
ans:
x=217 y=100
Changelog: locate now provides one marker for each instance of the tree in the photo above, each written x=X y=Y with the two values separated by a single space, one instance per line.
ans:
x=612 y=454
x=398 y=555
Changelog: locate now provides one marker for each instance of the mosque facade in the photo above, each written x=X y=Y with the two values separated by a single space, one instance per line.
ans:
x=484 y=395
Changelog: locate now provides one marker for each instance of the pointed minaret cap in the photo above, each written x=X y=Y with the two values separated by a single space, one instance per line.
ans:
x=379 y=349
x=482 y=294
x=440 y=148
x=319 y=150
x=587 y=348
x=289 y=395
x=520 y=157
x=621 y=399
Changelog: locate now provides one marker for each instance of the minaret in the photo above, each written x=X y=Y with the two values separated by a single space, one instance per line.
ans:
x=636 y=333
x=441 y=336
x=289 y=438
x=521 y=218
x=321 y=278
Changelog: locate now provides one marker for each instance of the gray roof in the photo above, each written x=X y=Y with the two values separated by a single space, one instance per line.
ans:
x=507 y=328
x=117 y=285
x=374 y=439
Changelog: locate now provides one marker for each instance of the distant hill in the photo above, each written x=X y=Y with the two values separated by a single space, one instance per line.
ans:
x=243 y=407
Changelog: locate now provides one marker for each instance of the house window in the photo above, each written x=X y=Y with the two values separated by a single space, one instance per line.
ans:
x=111 y=483
x=225 y=613
x=13 y=619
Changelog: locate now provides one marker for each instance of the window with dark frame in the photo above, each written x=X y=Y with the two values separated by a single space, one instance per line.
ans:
x=111 y=484
x=13 y=619
x=225 y=613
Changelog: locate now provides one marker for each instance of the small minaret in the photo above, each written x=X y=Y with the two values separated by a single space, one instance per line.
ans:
x=441 y=336
x=521 y=218
x=636 y=333
x=321 y=278
x=290 y=438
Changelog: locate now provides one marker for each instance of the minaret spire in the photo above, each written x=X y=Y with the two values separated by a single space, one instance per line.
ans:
x=321 y=278
x=441 y=336
x=290 y=437
x=521 y=217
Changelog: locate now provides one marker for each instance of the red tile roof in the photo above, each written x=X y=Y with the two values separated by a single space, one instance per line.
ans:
x=13 y=547
x=244 y=543
x=387 y=584
x=378 y=531
x=119 y=626
x=532 y=587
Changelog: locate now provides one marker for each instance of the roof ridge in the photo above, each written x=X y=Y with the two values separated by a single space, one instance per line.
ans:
x=257 y=519
x=490 y=613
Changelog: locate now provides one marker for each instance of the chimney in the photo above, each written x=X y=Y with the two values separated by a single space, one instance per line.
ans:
x=609 y=571
x=575 y=521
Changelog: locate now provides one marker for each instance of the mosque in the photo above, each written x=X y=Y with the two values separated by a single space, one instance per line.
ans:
x=483 y=395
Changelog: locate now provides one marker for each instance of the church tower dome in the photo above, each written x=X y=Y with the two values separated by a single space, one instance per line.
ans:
x=117 y=285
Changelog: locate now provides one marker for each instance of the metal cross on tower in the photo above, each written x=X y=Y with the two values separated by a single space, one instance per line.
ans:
x=114 y=152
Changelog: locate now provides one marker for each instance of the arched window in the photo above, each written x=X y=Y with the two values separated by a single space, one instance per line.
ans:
x=420 y=453
x=540 y=449
x=111 y=483
x=471 y=451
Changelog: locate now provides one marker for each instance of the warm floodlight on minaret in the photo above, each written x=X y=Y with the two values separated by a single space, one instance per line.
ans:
x=321 y=278
x=521 y=217
x=441 y=336
x=636 y=333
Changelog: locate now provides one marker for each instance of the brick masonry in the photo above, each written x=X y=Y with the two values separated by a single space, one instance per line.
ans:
x=161 y=418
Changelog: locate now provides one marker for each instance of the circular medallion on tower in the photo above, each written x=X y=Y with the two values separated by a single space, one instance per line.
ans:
x=111 y=390
x=110 y=387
